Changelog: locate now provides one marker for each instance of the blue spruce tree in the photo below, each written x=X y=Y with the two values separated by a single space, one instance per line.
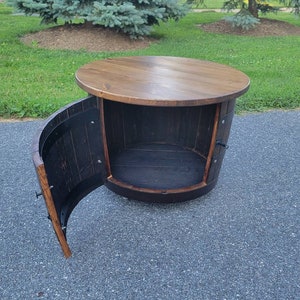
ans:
x=135 y=18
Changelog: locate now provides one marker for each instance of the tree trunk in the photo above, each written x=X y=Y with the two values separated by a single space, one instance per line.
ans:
x=253 y=8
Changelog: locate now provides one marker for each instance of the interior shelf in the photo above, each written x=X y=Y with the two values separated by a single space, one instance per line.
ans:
x=158 y=166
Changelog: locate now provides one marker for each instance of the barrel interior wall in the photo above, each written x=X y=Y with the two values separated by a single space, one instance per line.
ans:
x=128 y=125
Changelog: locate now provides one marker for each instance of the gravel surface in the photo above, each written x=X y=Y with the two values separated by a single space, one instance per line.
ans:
x=240 y=241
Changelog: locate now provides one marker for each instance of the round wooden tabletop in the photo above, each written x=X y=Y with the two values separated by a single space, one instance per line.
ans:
x=162 y=81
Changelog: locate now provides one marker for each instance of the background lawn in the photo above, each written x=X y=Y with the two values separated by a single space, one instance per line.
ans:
x=36 y=82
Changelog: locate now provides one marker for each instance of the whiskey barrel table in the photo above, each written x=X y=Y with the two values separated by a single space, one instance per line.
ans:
x=152 y=129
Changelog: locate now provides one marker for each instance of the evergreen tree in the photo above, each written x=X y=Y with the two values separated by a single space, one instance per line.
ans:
x=133 y=17
x=247 y=17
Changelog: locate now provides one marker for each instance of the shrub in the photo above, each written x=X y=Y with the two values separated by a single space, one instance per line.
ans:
x=243 y=19
x=135 y=17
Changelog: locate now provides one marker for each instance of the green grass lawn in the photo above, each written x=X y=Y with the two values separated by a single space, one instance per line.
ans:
x=36 y=82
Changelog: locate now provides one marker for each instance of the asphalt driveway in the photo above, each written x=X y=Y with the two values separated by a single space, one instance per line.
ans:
x=240 y=241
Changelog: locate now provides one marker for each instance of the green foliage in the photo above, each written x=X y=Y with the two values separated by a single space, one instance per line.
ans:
x=197 y=3
x=5 y=9
x=135 y=18
x=246 y=18
x=242 y=19
x=35 y=82
x=265 y=8
x=295 y=4
x=234 y=4
x=261 y=5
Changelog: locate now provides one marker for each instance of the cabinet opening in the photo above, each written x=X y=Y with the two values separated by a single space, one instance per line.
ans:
x=159 y=148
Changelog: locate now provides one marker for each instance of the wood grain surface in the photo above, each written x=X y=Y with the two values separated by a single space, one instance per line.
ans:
x=162 y=81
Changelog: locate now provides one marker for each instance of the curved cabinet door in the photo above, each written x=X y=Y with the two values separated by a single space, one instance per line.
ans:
x=68 y=154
